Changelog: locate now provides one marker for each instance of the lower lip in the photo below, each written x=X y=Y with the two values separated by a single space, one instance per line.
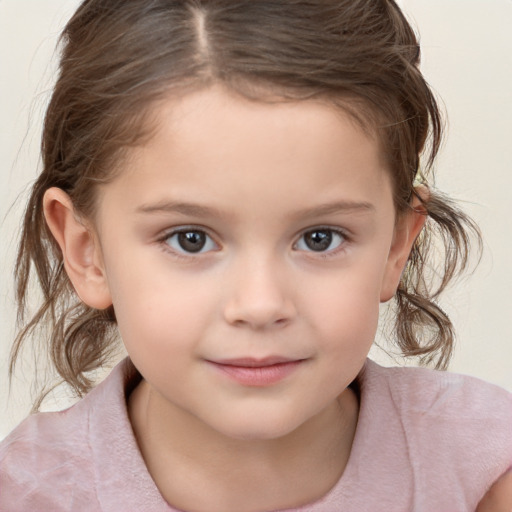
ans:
x=260 y=375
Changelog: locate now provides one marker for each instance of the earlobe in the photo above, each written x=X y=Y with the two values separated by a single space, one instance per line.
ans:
x=80 y=249
x=406 y=231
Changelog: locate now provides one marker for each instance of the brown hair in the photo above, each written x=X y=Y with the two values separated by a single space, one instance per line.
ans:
x=120 y=56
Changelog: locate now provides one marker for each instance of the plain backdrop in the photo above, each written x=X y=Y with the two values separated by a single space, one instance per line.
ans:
x=467 y=48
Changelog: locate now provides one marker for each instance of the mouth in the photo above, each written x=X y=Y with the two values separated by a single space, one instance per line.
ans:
x=255 y=372
x=252 y=362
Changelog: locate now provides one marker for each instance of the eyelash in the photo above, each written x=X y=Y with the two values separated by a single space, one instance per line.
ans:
x=329 y=253
x=164 y=241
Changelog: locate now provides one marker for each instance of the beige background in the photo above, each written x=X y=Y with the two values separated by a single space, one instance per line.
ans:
x=467 y=48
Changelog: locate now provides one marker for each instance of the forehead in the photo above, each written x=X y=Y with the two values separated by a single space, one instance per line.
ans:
x=217 y=146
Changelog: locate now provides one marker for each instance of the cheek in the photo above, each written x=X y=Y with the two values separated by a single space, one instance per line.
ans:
x=158 y=311
x=351 y=321
x=347 y=306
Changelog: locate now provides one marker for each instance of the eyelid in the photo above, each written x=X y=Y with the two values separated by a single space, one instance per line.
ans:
x=170 y=232
x=325 y=254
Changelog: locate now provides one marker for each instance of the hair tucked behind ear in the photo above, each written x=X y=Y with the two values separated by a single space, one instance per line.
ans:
x=120 y=57
x=441 y=253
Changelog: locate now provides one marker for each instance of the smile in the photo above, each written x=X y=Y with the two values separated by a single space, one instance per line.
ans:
x=257 y=372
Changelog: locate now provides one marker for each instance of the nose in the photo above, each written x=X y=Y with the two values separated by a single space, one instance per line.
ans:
x=260 y=297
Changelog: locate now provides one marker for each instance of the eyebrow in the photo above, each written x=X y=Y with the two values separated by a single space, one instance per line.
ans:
x=192 y=209
x=198 y=210
x=343 y=206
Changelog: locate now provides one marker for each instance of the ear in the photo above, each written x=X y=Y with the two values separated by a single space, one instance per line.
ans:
x=407 y=228
x=80 y=248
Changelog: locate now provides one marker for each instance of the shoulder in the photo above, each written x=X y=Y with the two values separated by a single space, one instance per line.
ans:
x=41 y=455
x=439 y=394
x=456 y=430
x=48 y=461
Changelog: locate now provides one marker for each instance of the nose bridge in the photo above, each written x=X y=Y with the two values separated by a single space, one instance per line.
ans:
x=259 y=294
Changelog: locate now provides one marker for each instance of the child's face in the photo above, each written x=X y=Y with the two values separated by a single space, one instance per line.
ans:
x=254 y=232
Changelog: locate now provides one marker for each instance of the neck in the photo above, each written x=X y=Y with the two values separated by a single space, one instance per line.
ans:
x=194 y=466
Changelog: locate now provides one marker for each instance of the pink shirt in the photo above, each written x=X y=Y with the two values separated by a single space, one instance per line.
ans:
x=426 y=441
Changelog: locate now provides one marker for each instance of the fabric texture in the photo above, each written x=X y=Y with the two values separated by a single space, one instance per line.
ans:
x=425 y=441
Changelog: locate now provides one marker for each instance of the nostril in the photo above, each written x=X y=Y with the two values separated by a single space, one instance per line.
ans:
x=260 y=324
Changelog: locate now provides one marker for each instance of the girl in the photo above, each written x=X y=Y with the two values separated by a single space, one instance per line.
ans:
x=234 y=188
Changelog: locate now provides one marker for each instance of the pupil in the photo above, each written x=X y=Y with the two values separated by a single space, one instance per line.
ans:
x=318 y=240
x=191 y=241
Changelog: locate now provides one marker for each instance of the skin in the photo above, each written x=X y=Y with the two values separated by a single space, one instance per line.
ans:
x=499 y=496
x=257 y=179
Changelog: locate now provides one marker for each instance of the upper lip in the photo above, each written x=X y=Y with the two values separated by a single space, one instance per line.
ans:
x=253 y=362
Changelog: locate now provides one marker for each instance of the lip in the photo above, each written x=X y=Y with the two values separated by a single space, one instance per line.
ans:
x=256 y=372
x=254 y=362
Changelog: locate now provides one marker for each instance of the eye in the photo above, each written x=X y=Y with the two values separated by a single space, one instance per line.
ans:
x=192 y=241
x=320 y=240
